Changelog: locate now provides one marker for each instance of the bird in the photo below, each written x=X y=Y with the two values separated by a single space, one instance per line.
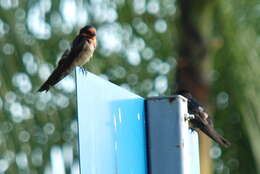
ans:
x=80 y=52
x=201 y=119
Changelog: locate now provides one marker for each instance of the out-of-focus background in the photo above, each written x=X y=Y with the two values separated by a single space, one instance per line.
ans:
x=150 y=47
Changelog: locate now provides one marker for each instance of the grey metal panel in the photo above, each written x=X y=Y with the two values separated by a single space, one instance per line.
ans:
x=172 y=147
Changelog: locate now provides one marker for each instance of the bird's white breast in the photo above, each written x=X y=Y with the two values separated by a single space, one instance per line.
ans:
x=85 y=54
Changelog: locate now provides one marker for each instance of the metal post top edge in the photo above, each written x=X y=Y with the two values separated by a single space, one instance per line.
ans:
x=167 y=97
x=147 y=99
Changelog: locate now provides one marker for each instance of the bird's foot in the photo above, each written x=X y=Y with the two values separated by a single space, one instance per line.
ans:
x=84 y=72
x=192 y=130
x=188 y=117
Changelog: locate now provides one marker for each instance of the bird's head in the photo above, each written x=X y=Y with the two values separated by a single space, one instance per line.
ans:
x=88 y=31
x=184 y=92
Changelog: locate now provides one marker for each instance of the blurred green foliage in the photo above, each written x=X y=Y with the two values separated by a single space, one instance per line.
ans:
x=137 y=43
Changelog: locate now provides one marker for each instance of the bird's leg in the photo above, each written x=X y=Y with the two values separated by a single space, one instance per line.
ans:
x=188 y=117
x=192 y=130
x=84 y=72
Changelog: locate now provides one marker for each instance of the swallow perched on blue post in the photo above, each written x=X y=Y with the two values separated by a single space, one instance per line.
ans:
x=202 y=120
x=82 y=49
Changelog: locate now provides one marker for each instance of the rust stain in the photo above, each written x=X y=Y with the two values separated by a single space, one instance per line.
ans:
x=171 y=99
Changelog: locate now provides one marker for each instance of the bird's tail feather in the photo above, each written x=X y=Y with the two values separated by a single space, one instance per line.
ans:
x=57 y=75
x=215 y=136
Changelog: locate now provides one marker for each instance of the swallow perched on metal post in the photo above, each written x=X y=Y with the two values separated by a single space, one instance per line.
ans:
x=202 y=120
x=81 y=51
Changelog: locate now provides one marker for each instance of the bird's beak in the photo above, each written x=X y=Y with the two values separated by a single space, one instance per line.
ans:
x=92 y=34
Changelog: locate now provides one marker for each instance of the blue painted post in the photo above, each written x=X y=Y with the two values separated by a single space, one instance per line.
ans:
x=112 y=138
x=111 y=128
